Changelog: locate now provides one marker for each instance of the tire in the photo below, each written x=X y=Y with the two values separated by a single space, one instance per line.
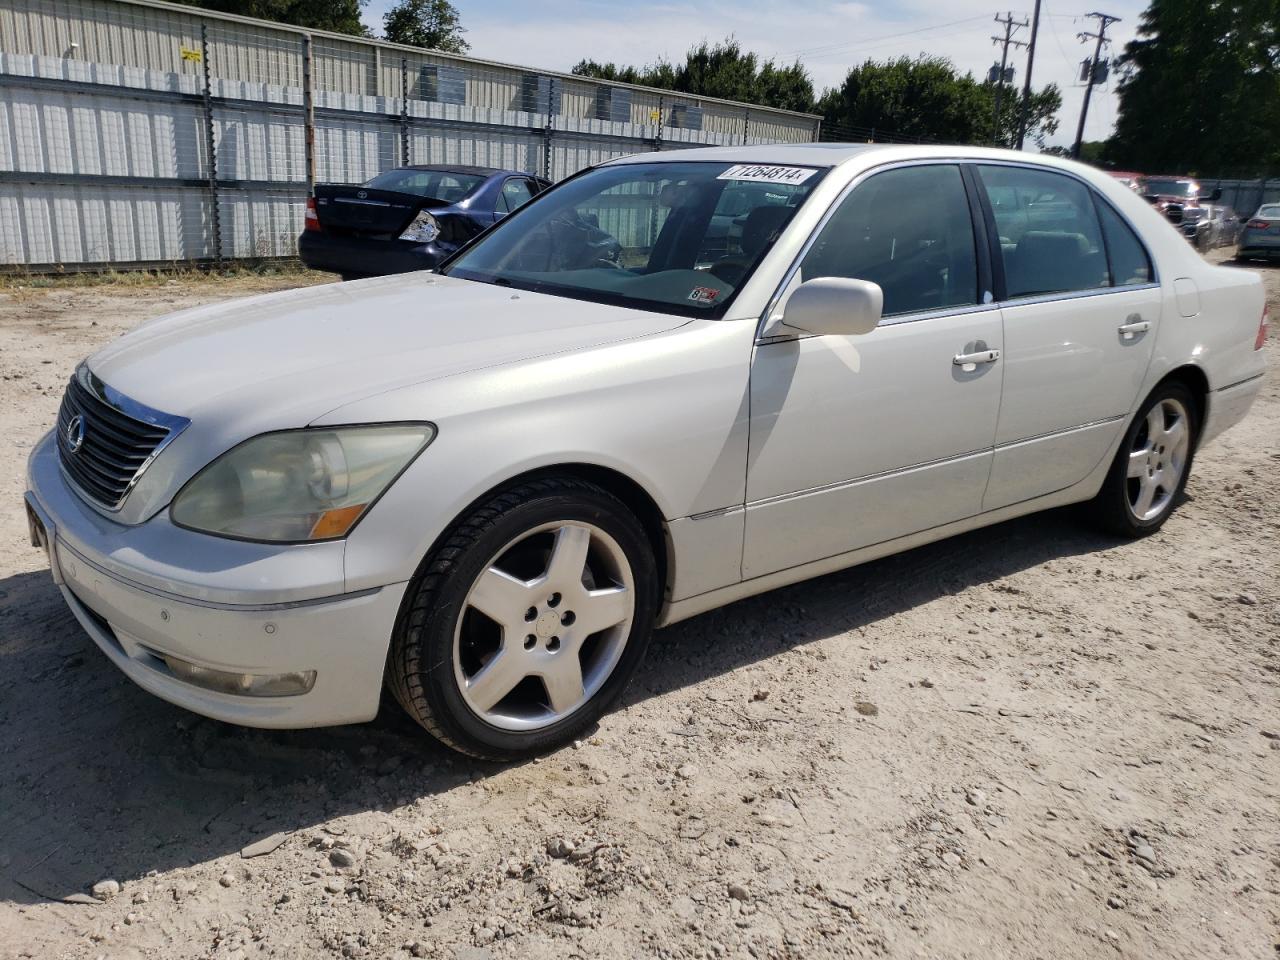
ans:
x=1162 y=465
x=498 y=592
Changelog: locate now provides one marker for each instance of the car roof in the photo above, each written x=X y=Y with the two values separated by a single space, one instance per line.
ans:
x=858 y=155
x=461 y=168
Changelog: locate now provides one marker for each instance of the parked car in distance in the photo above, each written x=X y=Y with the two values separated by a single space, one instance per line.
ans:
x=484 y=487
x=1181 y=200
x=407 y=219
x=1225 y=226
x=1130 y=179
x=1260 y=237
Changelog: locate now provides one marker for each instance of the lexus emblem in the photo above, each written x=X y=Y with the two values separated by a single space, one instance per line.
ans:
x=75 y=434
x=361 y=194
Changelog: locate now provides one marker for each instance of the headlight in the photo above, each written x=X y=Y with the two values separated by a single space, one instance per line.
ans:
x=423 y=229
x=300 y=485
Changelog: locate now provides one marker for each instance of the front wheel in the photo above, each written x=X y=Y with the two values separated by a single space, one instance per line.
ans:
x=1152 y=465
x=527 y=623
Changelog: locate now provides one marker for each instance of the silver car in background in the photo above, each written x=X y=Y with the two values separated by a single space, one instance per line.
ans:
x=670 y=382
x=1260 y=238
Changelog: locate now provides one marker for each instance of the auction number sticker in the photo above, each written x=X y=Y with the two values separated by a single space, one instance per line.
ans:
x=763 y=173
x=704 y=294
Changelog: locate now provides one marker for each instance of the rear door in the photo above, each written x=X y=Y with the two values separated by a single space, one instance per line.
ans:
x=1080 y=306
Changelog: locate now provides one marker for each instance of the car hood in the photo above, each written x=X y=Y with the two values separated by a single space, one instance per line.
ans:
x=300 y=353
x=281 y=361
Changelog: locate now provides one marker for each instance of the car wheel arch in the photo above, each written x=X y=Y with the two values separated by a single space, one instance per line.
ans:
x=628 y=490
x=1196 y=382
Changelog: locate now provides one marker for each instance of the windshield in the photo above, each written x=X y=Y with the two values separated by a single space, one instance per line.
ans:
x=1270 y=212
x=1172 y=188
x=678 y=237
x=438 y=184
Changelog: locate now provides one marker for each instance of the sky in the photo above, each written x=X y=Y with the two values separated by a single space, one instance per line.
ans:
x=827 y=37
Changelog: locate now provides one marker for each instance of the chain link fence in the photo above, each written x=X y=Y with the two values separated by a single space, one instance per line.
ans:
x=137 y=132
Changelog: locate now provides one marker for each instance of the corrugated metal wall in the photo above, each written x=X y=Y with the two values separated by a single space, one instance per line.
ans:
x=105 y=127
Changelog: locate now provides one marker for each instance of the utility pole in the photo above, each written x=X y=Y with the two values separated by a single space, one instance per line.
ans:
x=1104 y=20
x=1010 y=25
x=1026 y=81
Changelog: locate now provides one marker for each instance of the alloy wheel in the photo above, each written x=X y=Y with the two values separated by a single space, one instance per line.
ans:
x=543 y=625
x=1158 y=459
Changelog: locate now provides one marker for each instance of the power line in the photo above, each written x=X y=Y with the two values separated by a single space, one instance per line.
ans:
x=1104 y=20
x=832 y=49
x=1005 y=42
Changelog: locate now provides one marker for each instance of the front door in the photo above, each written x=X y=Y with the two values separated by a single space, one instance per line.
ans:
x=1080 y=315
x=858 y=440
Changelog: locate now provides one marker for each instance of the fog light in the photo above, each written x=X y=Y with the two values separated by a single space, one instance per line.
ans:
x=242 y=684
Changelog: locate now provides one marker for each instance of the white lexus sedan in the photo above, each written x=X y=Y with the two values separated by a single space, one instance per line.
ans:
x=670 y=382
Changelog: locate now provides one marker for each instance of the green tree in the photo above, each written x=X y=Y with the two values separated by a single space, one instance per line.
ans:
x=722 y=70
x=1200 y=89
x=340 y=16
x=433 y=24
x=928 y=99
x=1091 y=151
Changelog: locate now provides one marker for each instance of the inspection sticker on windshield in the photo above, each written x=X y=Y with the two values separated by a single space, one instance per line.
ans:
x=703 y=294
x=761 y=173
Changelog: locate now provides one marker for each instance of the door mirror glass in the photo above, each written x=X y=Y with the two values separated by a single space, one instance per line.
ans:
x=835 y=306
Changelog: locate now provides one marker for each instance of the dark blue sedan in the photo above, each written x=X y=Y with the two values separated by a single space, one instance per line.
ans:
x=407 y=219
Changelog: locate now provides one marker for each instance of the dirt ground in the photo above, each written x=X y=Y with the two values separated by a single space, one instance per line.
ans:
x=1027 y=742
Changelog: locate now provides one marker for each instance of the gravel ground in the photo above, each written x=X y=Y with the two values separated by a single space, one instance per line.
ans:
x=1026 y=742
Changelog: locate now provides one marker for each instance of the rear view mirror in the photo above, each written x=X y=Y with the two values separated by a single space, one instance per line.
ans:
x=835 y=306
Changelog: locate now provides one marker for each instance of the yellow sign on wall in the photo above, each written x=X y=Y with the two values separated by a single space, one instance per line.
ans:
x=192 y=55
x=655 y=115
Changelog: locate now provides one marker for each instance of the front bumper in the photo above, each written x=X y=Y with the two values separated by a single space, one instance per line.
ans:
x=108 y=575
x=368 y=257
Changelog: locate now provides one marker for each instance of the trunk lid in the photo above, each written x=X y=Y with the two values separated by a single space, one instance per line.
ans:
x=354 y=210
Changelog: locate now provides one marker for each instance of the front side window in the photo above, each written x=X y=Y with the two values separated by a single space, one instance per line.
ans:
x=1050 y=239
x=679 y=237
x=908 y=230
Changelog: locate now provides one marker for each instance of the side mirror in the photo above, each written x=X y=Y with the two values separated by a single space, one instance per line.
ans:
x=1216 y=195
x=835 y=306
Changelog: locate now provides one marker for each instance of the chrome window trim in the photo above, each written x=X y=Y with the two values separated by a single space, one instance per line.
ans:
x=130 y=408
x=1075 y=294
x=763 y=321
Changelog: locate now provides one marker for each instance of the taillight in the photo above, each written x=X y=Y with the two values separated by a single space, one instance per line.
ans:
x=311 y=219
x=1258 y=225
x=1262 y=331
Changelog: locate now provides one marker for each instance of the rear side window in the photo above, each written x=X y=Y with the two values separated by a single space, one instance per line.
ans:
x=1125 y=252
x=908 y=230
x=1050 y=238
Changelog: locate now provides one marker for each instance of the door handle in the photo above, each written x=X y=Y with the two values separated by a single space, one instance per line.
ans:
x=971 y=360
x=1134 y=326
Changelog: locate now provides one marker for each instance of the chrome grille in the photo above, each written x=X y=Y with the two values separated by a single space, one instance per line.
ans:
x=102 y=448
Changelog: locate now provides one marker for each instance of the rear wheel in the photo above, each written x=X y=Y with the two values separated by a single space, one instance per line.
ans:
x=1152 y=465
x=527 y=623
